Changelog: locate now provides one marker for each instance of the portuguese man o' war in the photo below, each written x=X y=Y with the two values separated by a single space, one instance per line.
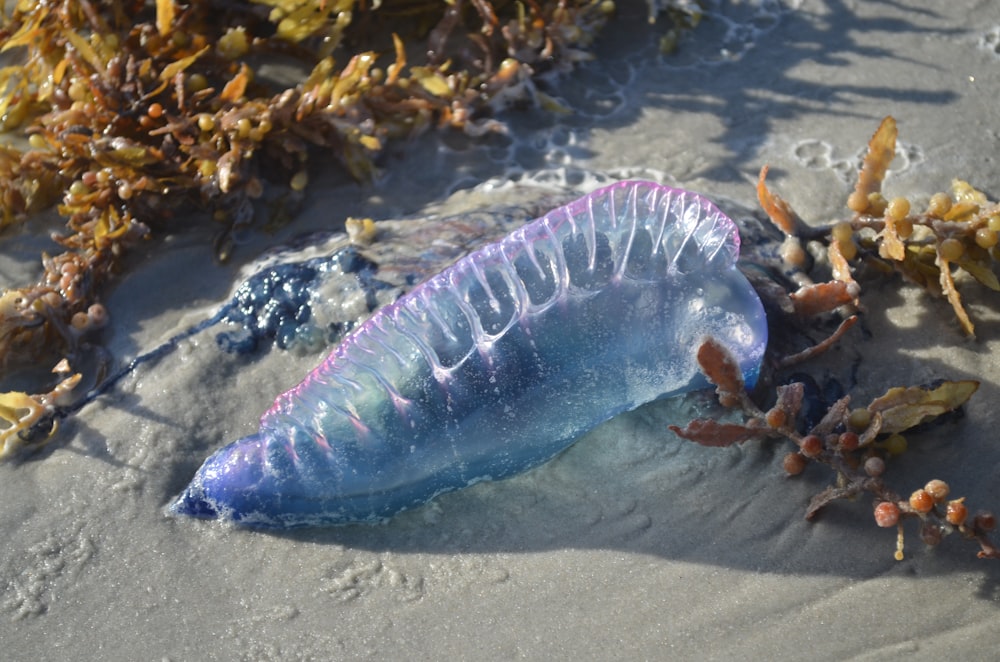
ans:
x=497 y=364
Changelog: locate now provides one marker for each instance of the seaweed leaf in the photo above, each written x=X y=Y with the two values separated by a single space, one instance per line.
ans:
x=903 y=408
x=842 y=270
x=177 y=66
x=85 y=50
x=237 y=86
x=164 y=16
x=954 y=298
x=818 y=298
x=712 y=433
x=881 y=150
x=777 y=209
x=981 y=271
x=720 y=366
x=891 y=247
x=29 y=31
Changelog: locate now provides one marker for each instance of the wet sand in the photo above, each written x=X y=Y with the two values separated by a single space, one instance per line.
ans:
x=630 y=545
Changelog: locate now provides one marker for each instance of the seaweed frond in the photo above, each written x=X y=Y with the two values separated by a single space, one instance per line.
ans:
x=27 y=422
x=956 y=233
x=856 y=443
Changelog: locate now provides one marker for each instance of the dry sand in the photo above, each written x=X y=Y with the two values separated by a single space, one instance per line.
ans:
x=632 y=544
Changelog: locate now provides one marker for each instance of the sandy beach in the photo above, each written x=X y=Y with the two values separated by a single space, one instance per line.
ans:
x=632 y=544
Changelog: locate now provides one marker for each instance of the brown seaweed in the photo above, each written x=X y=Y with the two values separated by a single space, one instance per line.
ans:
x=854 y=443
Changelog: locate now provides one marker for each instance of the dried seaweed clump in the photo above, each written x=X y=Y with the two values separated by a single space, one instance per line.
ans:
x=957 y=232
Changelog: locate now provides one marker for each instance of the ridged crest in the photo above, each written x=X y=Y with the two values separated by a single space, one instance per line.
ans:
x=630 y=230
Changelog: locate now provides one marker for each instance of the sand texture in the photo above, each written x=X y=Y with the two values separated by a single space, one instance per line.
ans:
x=630 y=545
